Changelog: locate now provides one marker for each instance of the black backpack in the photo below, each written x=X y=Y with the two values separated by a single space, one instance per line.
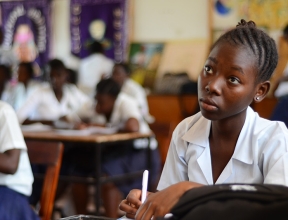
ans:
x=233 y=201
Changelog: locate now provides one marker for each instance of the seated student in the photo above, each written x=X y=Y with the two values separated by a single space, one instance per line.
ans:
x=8 y=90
x=226 y=142
x=55 y=101
x=121 y=73
x=28 y=84
x=16 y=177
x=115 y=109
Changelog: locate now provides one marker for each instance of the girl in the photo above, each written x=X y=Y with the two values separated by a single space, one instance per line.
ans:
x=115 y=109
x=28 y=85
x=55 y=101
x=227 y=142
x=121 y=74
x=15 y=172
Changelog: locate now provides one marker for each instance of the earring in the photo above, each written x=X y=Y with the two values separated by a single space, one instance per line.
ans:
x=257 y=98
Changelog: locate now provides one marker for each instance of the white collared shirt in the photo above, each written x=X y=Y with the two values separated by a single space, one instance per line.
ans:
x=260 y=155
x=43 y=104
x=124 y=108
x=91 y=70
x=11 y=138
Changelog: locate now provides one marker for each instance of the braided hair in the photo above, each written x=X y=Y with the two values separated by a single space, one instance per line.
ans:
x=263 y=47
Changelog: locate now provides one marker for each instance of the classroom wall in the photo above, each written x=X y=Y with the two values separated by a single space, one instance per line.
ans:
x=166 y=20
x=151 y=20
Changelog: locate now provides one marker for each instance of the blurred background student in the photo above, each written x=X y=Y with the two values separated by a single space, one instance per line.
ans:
x=16 y=177
x=117 y=110
x=8 y=90
x=55 y=101
x=121 y=74
x=27 y=83
x=93 y=68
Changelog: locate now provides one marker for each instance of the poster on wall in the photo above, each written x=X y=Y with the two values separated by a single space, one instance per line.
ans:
x=25 y=25
x=144 y=59
x=104 y=21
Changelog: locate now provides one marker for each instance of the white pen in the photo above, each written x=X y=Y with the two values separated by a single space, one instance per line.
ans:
x=144 y=185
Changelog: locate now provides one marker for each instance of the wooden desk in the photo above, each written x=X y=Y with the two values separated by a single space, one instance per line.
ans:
x=98 y=140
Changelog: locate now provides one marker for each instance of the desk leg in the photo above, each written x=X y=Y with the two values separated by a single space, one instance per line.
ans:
x=97 y=177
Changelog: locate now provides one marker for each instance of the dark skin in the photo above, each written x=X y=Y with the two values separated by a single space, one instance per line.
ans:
x=3 y=79
x=9 y=161
x=58 y=79
x=119 y=74
x=23 y=75
x=226 y=87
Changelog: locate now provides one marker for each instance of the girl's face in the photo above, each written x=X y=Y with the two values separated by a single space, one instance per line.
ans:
x=23 y=75
x=58 y=78
x=105 y=104
x=226 y=85
x=119 y=74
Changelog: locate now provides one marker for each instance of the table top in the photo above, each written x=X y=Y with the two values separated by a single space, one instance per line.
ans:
x=92 y=138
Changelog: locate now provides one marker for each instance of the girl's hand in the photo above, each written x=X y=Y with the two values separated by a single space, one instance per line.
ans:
x=132 y=202
x=160 y=203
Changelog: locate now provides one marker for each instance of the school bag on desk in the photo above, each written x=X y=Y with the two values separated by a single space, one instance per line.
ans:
x=233 y=201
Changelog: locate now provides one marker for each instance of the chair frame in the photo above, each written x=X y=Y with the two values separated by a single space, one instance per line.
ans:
x=47 y=153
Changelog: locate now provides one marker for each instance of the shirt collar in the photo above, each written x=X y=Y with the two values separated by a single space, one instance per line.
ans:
x=198 y=134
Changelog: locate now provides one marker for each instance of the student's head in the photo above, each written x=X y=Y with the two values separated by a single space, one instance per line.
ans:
x=285 y=32
x=25 y=72
x=57 y=74
x=121 y=72
x=5 y=74
x=72 y=76
x=236 y=72
x=107 y=91
x=96 y=47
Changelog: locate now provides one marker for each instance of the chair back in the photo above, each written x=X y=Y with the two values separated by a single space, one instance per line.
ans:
x=49 y=154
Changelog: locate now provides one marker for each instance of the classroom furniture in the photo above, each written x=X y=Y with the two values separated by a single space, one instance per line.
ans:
x=86 y=217
x=99 y=140
x=49 y=154
x=169 y=111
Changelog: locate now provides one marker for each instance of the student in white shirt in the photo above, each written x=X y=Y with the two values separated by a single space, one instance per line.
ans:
x=121 y=74
x=93 y=68
x=55 y=101
x=16 y=177
x=115 y=109
x=8 y=90
x=226 y=142
x=26 y=82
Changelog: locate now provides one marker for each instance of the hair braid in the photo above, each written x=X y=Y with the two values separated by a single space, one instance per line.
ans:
x=262 y=46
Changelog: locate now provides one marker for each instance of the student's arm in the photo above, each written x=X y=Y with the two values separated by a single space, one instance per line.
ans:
x=131 y=125
x=157 y=204
x=9 y=161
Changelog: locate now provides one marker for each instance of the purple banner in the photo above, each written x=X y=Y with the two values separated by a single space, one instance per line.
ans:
x=26 y=27
x=99 y=20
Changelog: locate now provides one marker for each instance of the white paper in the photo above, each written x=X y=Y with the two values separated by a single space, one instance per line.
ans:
x=86 y=131
x=36 y=127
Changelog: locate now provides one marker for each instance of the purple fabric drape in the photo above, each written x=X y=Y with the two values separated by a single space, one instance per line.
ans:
x=99 y=20
x=34 y=19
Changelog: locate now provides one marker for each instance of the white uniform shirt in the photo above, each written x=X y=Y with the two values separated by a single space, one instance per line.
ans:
x=260 y=155
x=90 y=71
x=26 y=92
x=11 y=138
x=124 y=108
x=10 y=93
x=43 y=104
x=137 y=92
